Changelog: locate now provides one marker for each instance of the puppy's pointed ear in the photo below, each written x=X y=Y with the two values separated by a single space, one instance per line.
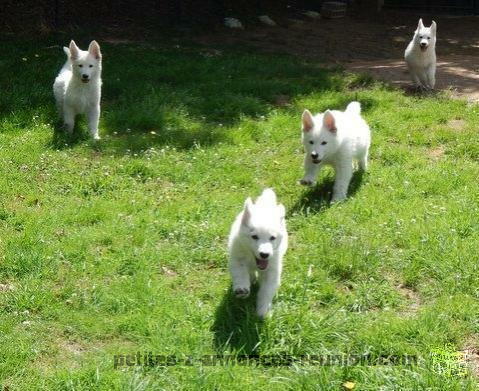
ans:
x=74 y=50
x=307 y=121
x=420 y=25
x=94 y=50
x=433 y=27
x=247 y=211
x=329 y=121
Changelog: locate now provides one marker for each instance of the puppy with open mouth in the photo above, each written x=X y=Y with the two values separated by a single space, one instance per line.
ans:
x=257 y=243
x=335 y=138
x=420 y=56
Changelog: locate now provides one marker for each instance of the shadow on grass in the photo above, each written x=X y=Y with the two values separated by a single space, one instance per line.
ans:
x=154 y=96
x=318 y=197
x=418 y=92
x=62 y=140
x=236 y=327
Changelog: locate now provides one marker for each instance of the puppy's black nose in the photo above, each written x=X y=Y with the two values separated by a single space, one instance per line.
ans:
x=264 y=255
x=84 y=76
x=423 y=44
x=314 y=155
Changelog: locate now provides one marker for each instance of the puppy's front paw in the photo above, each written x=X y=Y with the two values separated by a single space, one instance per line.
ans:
x=338 y=198
x=241 y=293
x=263 y=311
x=306 y=182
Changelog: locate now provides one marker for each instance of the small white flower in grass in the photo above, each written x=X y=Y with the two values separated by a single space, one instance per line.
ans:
x=153 y=132
x=24 y=58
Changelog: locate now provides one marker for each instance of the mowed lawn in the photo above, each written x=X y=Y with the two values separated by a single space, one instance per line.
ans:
x=119 y=247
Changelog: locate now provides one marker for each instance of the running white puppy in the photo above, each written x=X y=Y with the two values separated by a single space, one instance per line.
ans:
x=257 y=243
x=335 y=138
x=420 y=56
x=77 y=88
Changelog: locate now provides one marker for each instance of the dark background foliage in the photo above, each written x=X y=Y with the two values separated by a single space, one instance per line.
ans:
x=48 y=15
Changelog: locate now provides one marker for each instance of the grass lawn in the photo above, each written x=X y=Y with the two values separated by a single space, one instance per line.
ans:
x=120 y=247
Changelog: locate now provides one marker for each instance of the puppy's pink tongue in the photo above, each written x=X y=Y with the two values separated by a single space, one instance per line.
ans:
x=261 y=263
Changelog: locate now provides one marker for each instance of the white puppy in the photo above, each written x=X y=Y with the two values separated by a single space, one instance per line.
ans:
x=335 y=138
x=77 y=88
x=257 y=243
x=420 y=56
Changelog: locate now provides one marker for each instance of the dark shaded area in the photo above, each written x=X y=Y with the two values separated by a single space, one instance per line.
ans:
x=236 y=325
x=318 y=197
x=450 y=6
x=165 y=95
x=48 y=15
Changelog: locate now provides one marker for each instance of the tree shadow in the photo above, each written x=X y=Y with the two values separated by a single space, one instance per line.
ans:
x=318 y=197
x=237 y=327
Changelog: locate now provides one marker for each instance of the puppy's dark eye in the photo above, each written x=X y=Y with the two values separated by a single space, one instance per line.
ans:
x=81 y=66
x=90 y=66
x=255 y=237
x=272 y=238
x=311 y=142
x=428 y=37
x=324 y=143
x=420 y=36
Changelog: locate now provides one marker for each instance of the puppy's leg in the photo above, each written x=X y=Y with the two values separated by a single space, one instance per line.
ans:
x=68 y=118
x=93 y=120
x=423 y=78
x=431 y=76
x=269 y=283
x=240 y=276
x=344 y=173
x=310 y=171
x=414 y=77
x=363 y=160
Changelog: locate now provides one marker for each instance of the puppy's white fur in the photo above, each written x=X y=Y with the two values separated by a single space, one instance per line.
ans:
x=257 y=243
x=335 y=138
x=420 y=56
x=77 y=88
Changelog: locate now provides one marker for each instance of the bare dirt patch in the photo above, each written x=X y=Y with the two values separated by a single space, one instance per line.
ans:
x=372 y=44
x=471 y=354
x=456 y=124
x=455 y=73
x=436 y=153
x=412 y=297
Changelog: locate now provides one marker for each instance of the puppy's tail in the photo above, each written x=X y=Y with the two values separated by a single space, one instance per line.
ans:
x=268 y=197
x=354 y=108
x=67 y=51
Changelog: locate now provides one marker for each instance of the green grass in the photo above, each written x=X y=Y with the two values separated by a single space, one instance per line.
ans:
x=120 y=247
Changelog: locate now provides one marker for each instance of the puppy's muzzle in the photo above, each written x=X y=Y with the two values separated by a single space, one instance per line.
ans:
x=262 y=263
x=423 y=46
x=314 y=158
x=85 y=78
